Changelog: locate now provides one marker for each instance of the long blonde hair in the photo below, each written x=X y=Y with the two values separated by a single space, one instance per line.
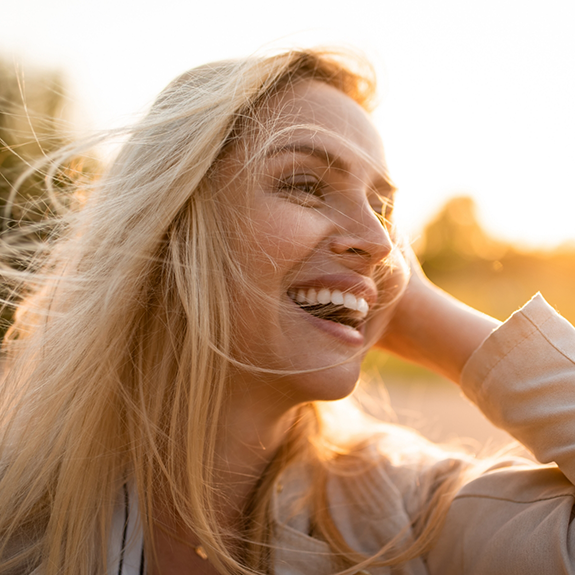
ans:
x=117 y=357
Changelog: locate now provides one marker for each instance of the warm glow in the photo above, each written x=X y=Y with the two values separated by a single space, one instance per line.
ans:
x=477 y=96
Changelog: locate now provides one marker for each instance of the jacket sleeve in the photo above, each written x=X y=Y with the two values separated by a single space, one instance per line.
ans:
x=519 y=519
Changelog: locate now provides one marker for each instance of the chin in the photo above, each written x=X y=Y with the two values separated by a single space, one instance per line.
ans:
x=327 y=384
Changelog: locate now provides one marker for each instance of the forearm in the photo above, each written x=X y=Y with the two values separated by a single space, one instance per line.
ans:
x=434 y=330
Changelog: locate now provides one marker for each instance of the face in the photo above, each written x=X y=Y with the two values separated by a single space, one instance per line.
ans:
x=314 y=241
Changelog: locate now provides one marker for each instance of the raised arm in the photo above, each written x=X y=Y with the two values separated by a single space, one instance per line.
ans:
x=431 y=328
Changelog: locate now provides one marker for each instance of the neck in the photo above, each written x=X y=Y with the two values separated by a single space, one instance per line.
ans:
x=252 y=430
x=249 y=440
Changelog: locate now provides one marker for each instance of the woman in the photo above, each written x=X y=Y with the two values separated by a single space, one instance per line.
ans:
x=229 y=270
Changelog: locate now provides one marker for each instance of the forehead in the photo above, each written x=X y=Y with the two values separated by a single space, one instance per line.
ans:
x=325 y=116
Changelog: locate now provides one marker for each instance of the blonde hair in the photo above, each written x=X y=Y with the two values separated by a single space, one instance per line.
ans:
x=118 y=354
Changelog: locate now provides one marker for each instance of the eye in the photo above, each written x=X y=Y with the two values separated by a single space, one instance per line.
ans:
x=305 y=188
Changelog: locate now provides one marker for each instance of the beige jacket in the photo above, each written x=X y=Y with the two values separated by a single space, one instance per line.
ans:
x=515 y=518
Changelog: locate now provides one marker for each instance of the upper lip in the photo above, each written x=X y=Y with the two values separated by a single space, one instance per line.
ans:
x=359 y=286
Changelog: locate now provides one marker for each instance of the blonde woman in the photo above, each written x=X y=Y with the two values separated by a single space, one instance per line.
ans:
x=163 y=399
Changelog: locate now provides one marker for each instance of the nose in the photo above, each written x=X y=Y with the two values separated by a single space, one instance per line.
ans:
x=361 y=236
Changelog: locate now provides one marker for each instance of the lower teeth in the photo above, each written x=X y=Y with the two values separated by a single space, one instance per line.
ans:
x=328 y=314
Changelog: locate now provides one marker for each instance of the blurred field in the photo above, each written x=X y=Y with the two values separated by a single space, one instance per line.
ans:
x=401 y=393
x=439 y=411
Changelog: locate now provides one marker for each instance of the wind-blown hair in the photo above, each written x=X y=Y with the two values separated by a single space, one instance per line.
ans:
x=119 y=356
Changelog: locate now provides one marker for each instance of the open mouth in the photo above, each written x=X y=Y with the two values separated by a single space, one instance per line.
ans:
x=332 y=305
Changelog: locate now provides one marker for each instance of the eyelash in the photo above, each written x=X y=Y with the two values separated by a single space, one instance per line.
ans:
x=302 y=184
x=313 y=188
x=385 y=209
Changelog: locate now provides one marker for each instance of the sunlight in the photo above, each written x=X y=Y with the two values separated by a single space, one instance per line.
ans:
x=476 y=97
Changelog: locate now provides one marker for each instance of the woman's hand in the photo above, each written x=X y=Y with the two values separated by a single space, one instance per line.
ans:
x=431 y=328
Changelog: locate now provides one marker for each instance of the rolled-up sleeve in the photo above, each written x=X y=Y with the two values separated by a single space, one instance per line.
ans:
x=517 y=519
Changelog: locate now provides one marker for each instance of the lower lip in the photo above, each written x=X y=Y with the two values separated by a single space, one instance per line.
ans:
x=344 y=333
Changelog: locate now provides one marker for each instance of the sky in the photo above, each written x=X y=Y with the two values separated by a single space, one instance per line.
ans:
x=477 y=97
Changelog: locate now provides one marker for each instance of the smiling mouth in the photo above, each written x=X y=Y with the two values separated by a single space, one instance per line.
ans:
x=332 y=305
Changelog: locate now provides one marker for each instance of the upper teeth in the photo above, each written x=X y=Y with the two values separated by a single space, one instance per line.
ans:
x=324 y=296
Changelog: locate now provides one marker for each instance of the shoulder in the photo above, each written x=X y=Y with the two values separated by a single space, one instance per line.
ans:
x=399 y=470
x=385 y=479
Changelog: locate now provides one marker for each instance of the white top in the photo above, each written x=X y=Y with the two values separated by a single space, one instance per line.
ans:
x=126 y=554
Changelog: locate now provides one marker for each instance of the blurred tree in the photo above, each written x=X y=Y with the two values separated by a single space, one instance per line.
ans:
x=32 y=125
x=454 y=238
x=31 y=116
x=493 y=276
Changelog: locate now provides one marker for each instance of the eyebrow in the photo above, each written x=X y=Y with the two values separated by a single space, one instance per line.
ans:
x=331 y=160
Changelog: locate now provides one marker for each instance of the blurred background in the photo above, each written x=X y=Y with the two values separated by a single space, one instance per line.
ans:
x=476 y=111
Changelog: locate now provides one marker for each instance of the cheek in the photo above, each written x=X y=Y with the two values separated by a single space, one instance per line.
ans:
x=392 y=280
x=284 y=238
x=274 y=244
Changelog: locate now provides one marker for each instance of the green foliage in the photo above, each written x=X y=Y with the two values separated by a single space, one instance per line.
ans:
x=33 y=107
